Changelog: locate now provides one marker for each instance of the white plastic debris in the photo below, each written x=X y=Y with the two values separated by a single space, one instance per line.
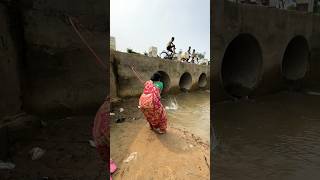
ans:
x=112 y=114
x=92 y=143
x=36 y=153
x=131 y=157
x=44 y=123
x=121 y=109
x=7 y=165
x=138 y=107
x=313 y=93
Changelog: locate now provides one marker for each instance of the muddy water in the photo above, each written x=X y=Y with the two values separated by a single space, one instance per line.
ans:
x=275 y=137
x=191 y=113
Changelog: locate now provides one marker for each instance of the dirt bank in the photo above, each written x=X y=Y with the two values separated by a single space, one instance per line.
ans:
x=68 y=154
x=175 y=155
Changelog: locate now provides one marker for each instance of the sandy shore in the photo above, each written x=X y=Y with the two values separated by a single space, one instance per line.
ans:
x=175 y=155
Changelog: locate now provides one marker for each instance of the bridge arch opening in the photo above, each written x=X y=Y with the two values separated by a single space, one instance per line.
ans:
x=185 y=82
x=202 y=82
x=241 y=65
x=295 y=59
x=165 y=79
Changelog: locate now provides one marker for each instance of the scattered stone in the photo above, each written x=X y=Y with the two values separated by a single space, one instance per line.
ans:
x=92 y=143
x=36 y=153
x=120 y=120
x=43 y=123
x=131 y=157
x=6 y=165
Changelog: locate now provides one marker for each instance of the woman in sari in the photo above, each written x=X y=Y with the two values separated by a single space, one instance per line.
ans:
x=100 y=134
x=151 y=106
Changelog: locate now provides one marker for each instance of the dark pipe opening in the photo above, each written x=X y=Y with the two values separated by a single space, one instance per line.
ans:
x=185 y=82
x=295 y=59
x=165 y=79
x=202 y=82
x=241 y=66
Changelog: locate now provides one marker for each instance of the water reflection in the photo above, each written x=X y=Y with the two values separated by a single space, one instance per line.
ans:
x=275 y=137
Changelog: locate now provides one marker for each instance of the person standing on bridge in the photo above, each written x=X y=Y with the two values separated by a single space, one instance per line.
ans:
x=193 y=56
x=150 y=103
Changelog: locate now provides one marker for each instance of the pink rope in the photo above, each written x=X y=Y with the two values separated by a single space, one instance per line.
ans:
x=86 y=43
x=137 y=75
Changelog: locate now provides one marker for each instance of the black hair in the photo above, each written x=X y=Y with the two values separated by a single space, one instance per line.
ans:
x=156 y=77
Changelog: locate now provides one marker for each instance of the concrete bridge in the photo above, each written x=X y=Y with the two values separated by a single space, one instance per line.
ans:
x=258 y=50
x=177 y=76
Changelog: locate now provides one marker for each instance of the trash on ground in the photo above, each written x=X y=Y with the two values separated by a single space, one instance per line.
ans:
x=92 y=143
x=7 y=165
x=313 y=93
x=190 y=145
x=43 y=123
x=131 y=157
x=112 y=114
x=37 y=153
x=120 y=120
x=139 y=107
x=44 y=178
x=121 y=109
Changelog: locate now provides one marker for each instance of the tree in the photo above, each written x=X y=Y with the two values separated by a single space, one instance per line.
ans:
x=201 y=55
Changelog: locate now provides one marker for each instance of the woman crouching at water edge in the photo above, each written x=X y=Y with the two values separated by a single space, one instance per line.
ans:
x=150 y=104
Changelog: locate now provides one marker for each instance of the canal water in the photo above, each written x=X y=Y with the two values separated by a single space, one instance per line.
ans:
x=190 y=111
x=274 y=137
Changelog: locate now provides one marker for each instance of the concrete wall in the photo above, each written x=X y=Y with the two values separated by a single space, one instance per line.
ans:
x=124 y=83
x=10 y=91
x=62 y=74
x=273 y=29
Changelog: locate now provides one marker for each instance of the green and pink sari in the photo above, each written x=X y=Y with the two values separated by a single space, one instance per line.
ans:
x=152 y=108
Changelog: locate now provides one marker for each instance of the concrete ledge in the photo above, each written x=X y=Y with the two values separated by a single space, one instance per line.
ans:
x=181 y=75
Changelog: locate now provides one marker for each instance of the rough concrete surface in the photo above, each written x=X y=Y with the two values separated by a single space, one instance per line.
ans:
x=272 y=29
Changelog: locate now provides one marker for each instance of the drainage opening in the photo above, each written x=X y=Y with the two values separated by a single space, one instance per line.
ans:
x=165 y=79
x=185 y=82
x=295 y=59
x=202 y=82
x=241 y=65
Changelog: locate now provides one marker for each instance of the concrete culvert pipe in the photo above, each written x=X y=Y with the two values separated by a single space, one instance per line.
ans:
x=165 y=79
x=185 y=82
x=202 y=82
x=241 y=66
x=295 y=59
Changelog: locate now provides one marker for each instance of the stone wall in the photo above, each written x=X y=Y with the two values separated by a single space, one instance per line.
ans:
x=177 y=75
x=62 y=75
x=263 y=34
x=10 y=91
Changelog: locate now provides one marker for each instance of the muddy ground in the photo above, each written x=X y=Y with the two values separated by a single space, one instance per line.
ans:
x=68 y=154
x=175 y=155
